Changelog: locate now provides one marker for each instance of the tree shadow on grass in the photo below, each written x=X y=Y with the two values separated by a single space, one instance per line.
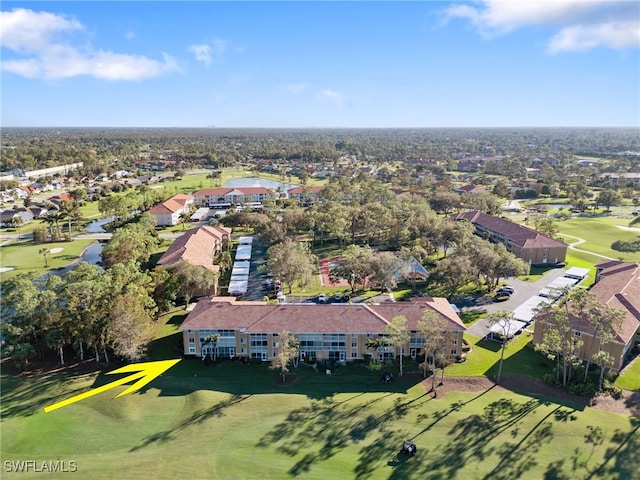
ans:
x=195 y=418
x=472 y=437
x=621 y=462
x=22 y=397
x=326 y=427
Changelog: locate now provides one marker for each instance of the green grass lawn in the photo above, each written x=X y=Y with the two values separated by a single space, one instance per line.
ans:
x=23 y=256
x=599 y=233
x=630 y=377
x=237 y=421
x=484 y=359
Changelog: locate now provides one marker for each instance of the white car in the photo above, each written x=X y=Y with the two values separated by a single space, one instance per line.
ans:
x=322 y=298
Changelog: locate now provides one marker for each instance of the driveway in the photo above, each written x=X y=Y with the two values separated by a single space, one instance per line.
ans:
x=523 y=291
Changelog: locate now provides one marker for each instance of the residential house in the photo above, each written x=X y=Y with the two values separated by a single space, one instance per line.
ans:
x=525 y=243
x=37 y=212
x=305 y=194
x=617 y=285
x=326 y=332
x=620 y=178
x=63 y=197
x=469 y=164
x=24 y=215
x=225 y=196
x=469 y=188
x=198 y=246
x=168 y=212
x=551 y=161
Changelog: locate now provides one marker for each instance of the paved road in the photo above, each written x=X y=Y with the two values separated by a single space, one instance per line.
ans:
x=523 y=291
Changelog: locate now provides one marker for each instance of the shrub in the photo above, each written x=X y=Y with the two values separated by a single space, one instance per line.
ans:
x=550 y=378
x=375 y=367
x=586 y=389
x=622 y=246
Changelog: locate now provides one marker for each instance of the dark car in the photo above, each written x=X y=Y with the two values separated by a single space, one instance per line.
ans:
x=505 y=290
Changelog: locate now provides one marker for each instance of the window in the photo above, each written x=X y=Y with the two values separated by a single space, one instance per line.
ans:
x=192 y=349
x=354 y=344
x=243 y=340
x=275 y=354
x=242 y=350
x=454 y=352
x=354 y=354
x=454 y=342
x=192 y=340
x=577 y=334
x=190 y=331
x=275 y=344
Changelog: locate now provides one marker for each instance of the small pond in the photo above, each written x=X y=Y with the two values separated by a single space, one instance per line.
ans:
x=258 y=182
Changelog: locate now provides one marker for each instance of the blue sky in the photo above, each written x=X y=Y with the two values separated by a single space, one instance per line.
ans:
x=320 y=64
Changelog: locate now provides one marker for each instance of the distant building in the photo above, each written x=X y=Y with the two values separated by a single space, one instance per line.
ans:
x=168 y=212
x=525 y=243
x=305 y=194
x=215 y=197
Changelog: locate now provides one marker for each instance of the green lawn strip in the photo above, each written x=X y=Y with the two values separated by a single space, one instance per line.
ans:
x=24 y=256
x=630 y=377
x=484 y=358
x=348 y=425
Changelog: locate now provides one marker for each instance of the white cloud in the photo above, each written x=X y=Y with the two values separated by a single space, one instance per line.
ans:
x=207 y=52
x=202 y=53
x=27 y=31
x=296 y=88
x=582 y=38
x=42 y=38
x=582 y=24
x=332 y=96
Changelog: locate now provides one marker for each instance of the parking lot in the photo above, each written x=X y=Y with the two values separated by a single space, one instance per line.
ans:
x=523 y=291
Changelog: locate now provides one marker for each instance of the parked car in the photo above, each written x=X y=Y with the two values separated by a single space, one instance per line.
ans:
x=322 y=298
x=506 y=290
x=337 y=297
x=501 y=297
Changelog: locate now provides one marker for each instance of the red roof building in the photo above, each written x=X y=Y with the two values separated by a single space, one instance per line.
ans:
x=527 y=244
x=325 y=331
x=618 y=286
x=168 y=212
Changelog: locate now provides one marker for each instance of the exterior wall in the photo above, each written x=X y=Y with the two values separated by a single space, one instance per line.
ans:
x=540 y=256
x=207 y=200
x=165 y=219
x=336 y=346
x=533 y=256
x=589 y=347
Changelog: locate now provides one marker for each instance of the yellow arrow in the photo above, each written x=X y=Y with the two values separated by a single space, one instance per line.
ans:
x=145 y=372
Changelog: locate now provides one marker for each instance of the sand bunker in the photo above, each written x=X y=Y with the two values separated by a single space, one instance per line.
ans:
x=6 y=269
x=56 y=250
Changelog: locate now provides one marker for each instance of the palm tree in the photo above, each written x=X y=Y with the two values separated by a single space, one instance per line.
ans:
x=213 y=340
x=44 y=252
x=376 y=344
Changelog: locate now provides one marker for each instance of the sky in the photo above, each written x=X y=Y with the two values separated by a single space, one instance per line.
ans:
x=296 y=64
